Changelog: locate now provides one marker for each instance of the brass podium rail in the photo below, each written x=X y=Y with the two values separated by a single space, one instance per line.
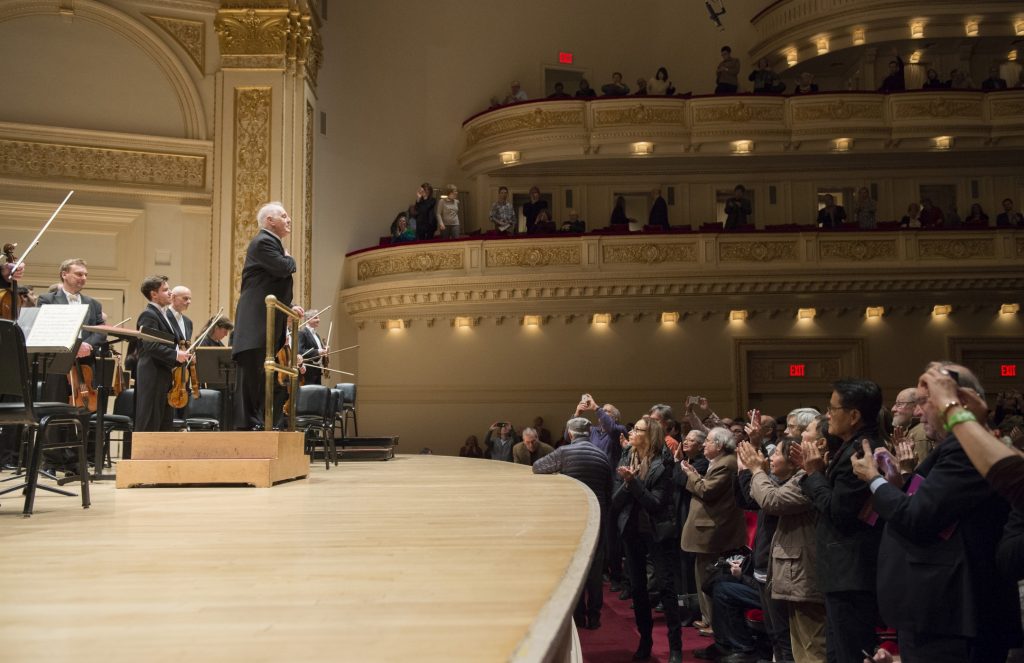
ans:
x=270 y=365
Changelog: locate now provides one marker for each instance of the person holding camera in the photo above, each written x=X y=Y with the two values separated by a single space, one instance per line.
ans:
x=500 y=439
x=642 y=504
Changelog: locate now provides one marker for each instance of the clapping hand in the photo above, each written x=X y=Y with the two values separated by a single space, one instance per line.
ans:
x=626 y=474
x=690 y=470
x=865 y=466
x=905 y=456
x=751 y=458
x=753 y=429
x=881 y=656
x=810 y=458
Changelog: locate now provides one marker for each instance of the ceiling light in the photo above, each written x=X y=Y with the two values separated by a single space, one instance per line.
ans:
x=462 y=322
x=792 y=57
x=669 y=317
x=874 y=312
x=941 y=310
x=859 y=37
x=738 y=315
x=917 y=29
x=742 y=146
x=915 y=57
x=806 y=313
x=1009 y=309
x=643 y=148
x=394 y=324
x=822 y=45
x=602 y=318
x=508 y=158
x=1018 y=28
x=971 y=28
x=531 y=320
x=842 y=144
x=1012 y=55
x=942 y=142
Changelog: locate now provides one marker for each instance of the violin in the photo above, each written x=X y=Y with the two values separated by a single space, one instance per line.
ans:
x=83 y=394
x=9 y=297
x=184 y=381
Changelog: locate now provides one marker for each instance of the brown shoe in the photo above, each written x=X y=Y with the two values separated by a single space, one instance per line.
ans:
x=700 y=623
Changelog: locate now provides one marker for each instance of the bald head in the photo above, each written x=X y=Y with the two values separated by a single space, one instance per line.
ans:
x=181 y=298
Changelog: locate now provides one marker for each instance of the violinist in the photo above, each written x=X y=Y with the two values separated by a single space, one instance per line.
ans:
x=220 y=331
x=181 y=299
x=155 y=360
x=312 y=348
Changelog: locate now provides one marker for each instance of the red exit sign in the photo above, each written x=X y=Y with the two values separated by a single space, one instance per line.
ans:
x=797 y=370
x=1008 y=371
x=564 y=57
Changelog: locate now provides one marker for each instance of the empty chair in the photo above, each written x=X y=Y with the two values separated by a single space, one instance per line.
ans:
x=314 y=416
x=203 y=413
x=122 y=420
x=348 y=407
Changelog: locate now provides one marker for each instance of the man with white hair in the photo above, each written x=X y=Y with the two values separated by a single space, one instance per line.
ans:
x=268 y=270
x=181 y=299
x=531 y=449
x=312 y=348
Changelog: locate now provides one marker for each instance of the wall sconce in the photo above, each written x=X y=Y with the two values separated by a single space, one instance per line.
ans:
x=842 y=144
x=669 y=317
x=462 y=322
x=1018 y=28
x=602 y=319
x=792 y=57
x=508 y=158
x=738 y=315
x=806 y=313
x=822 y=45
x=394 y=324
x=971 y=28
x=874 y=312
x=1012 y=55
x=742 y=146
x=532 y=321
x=1009 y=309
x=917 y=30
x=643 y=148
x=859 y=37
x=943 y=142
x=941 y=310
x=915 y=57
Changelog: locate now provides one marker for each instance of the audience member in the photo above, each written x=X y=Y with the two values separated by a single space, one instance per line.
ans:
x=543 y=434
x=532 y=207
x=734 y=590
x=516 y=94
x=559 y=92
x=960 y=79
x=951 y=218
x=691 y=449
x=426 y=204
x=641 y=87
x=585 y=91
x=616 y=88
x=503 y=213
x=994 y=80
x=584 y=462
x=619 y=217
x=448 y=223
x=932 y=81
x=498 y=442
x=847 y=545
x=912 y=219
x=471 y=449
x=865 y=209
x=575 y=224
x=831 y=215
x=659 y=210
x=806 y=84
x=1009 y=217
x=660 y=85
x=906 y=427
x=976 y=216
x=765 y=80
x=737 y=208
x=400 y=230
x=895 y=81
x=727 y=73
x=931 y=216
x=542 y=223
x=642 y=501
x=531 y=449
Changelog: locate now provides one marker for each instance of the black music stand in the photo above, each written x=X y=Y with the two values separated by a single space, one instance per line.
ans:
x=216 y=369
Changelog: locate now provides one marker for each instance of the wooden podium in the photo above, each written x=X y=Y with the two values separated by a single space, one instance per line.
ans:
x=260 y=459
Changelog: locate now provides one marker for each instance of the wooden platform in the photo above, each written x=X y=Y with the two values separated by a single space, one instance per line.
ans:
x=257 y=459
x=419 y=559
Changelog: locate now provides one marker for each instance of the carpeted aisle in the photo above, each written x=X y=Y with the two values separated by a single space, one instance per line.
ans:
x=617 y=638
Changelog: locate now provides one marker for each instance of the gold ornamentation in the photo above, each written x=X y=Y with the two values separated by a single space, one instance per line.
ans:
x=649 y=254
x=740 y=112
x=1008 y=108
x=534 y=256
x=307 y=235
x=96 y=164
x=190 y=35
x=640 y=114
x=431 y=261
x=858 y=250
x=314 y=57
x=757 y=251
x=251 y=172
x=840 y=110
x=937 y=108
x=956 y=249
x=535 y=119
x=252 y=32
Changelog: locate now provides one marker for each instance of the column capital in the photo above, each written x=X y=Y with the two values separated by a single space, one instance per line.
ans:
x=270 y=34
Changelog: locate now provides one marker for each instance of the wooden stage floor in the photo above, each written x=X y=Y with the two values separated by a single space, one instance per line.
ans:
x=421 y=558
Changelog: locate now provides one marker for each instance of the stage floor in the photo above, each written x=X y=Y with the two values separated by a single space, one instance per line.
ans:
x=420 y=558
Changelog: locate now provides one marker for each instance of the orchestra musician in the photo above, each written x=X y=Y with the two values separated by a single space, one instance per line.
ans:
x=9 y=434
x=312 y=348
x=220 y=331
x=155 y=360
x=267 y=270
x=181 y=299
x=5 y=274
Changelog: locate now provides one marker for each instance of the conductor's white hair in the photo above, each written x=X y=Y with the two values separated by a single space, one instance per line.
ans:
x=267 y=211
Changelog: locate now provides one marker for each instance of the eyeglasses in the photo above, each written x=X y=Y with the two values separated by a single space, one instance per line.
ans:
x=915 y=402
x=637 y=429
x=836 y=408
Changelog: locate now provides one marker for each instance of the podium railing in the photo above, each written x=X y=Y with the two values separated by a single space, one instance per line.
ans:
x=271 y=366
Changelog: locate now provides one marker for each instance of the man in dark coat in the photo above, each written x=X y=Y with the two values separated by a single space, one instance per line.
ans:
x=312 y=348
x=156 y=361
x=268 y=270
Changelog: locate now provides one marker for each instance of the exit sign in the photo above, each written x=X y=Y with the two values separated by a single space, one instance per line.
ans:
x=564 y=57
x=797 y=370
x=1008 y=371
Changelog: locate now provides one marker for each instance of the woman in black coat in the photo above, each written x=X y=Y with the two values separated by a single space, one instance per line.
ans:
x=643 y=507
x=426 y=222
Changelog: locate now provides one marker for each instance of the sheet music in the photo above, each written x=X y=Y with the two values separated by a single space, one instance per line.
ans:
x=56 y=328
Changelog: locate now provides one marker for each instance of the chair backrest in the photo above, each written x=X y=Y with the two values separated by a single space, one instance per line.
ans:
x=348 y=393
x=207 y=406
x=15 y=379
x=336 y=400
x=314 y=400
x=124 y=404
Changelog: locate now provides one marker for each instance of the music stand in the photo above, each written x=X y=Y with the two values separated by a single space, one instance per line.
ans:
x=216 y=369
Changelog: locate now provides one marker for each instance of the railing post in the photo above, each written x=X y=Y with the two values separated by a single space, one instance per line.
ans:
x=269 y=363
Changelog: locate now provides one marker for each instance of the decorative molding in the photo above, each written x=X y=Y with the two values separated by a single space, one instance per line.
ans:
x=957 y=249
x=423 y=261
x=252 y=32
x=251 y=176
x=640 y=114
x=936 y=108
x=190 y=35
x=649 y=254
x=838 y=110
x=307 y=220
x=532 y=120
x=757 y=251
x=1008 y=108
x=51 y=161
x=533 y=256
x=858 y=250
x=740 y=112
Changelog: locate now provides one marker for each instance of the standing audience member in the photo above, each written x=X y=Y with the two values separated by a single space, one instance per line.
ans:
x=503 y=213
x=426 y=204
x=931 y=216
x=805 y=84
x=616 y=88
x=737 y=208
x=994 y=80
x=865 y=210
x=516 y=94
x=831 y=215
x=895 y=81
x=619 y=216
x=847 y=544
x=660 y=85
x=585 y=91
x=543 y=434
x=642 y=501
x=1009 y=217
x=765 y=80
x=904 y=411
x=584 y=462
x=471 y=449
x=659 y=211
x=498 y=442
x=532 y=207
x=448 y=223
x=530 y=450
x=691 y=449
x=976 y=216
x=727 y=73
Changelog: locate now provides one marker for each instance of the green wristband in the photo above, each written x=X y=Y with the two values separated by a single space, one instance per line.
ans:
x=958 y=418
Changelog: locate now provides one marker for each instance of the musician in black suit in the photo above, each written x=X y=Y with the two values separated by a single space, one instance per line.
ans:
x=312 y=348
x=220 y=331
x=181 y=299
x=155 y=360
x=938 y=584
x=268 y=270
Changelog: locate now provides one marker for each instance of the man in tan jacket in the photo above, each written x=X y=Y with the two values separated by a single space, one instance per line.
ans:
x=715 y=523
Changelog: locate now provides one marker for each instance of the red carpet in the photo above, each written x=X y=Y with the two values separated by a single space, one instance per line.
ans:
x=617 y=638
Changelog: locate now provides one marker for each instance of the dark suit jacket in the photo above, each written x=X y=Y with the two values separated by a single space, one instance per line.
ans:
x=267 y=271
x=153 y=373
x=177 y=330
x=847 y=546
x=93 y=317
x=935 y=581
x=834 y=221
x=649 y=499
x=659 y=213
x=307 y=348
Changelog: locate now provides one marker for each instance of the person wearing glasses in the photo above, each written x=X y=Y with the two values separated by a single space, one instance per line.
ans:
x=904 y=413
x=643 y=507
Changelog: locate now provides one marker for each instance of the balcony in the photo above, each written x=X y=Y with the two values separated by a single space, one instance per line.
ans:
x=630 y=128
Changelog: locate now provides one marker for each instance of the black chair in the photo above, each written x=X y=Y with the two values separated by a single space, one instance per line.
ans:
x=348 y=407
x=314 y=416
x=54 y=425
x=122 y=421
x=203 y=413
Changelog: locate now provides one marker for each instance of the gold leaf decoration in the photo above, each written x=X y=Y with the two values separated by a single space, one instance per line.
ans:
x=640 y=114
x=1008 y=108
x=858 y=250
x=190 y=35
x=740 y=112
x=937 y=108
x=252 y=32
x=757 y=251
x=956 y=249
x=840 y=110
x=427 y=261
x=251 y=187
x=649 y=254
x=530 y=120
x=534 y=256
x=307 y=235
